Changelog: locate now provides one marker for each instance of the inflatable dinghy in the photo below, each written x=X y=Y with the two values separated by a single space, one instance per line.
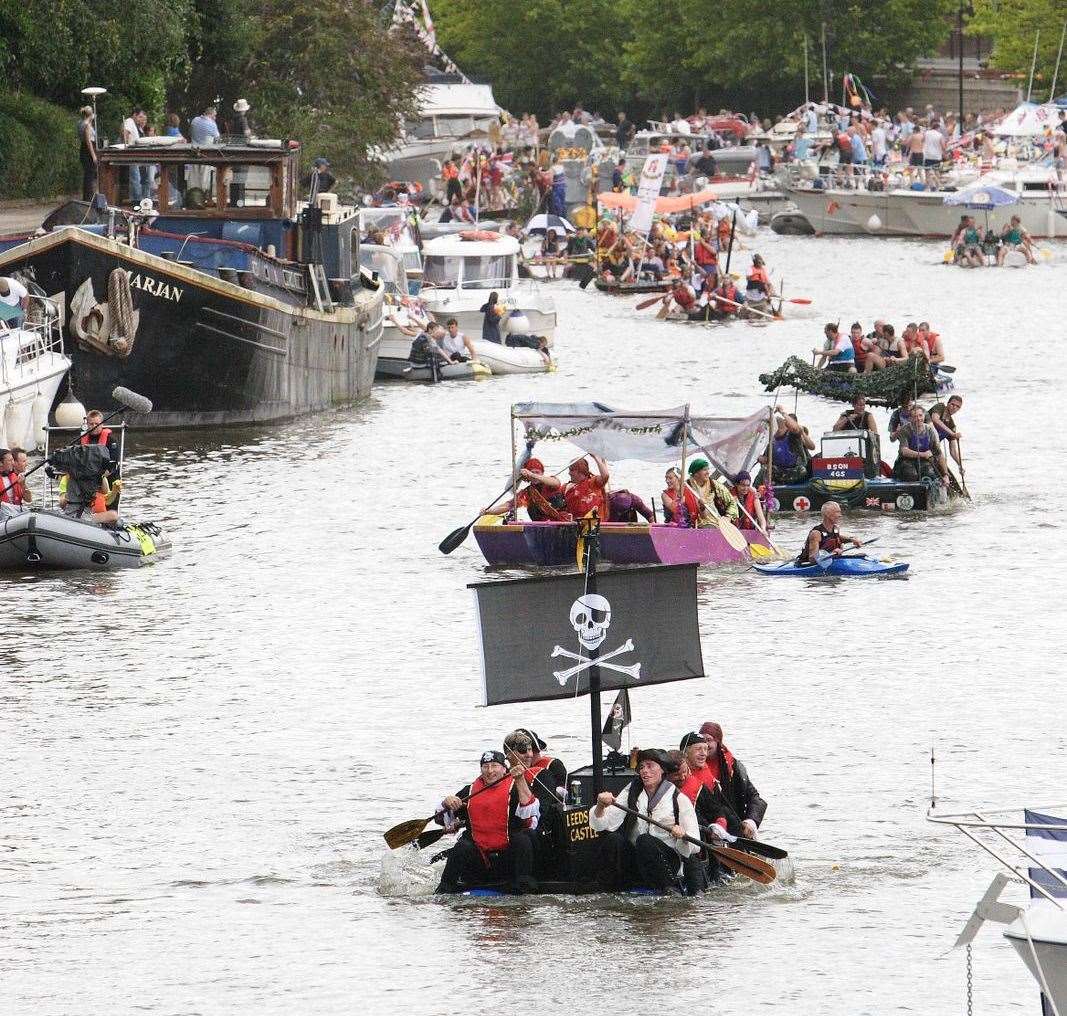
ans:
x=44 y=540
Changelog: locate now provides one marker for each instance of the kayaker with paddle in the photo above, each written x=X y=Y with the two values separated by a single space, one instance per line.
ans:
x=826 y=537
x=737 y=786
x=497 y=845
x=714 y=498
x=634 y=852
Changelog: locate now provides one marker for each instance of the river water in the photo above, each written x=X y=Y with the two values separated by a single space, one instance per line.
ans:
x=199 y=758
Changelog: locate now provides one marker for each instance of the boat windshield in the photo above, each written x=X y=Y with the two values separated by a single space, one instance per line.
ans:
x=413 y=261
x=386 y=267
x=441 y=272
x=488 y=273
x=454 y=126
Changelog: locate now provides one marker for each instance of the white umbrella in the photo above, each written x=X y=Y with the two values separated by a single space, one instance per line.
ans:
x=544 y=222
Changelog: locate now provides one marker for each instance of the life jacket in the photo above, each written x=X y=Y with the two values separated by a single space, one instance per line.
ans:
x=828 y=541
x=582 y=496
x=704 y=254
x=101 y=438
x=919 y=442
x=748 y=505
x=489 y=814
x=692 y=787
x=724 y=232
x=728 y=291
x=684 y=297
x=917 y=342
x=757 y=280
x=449 y=171
x=857 y=348
x=10 y=488
x=844 y=142
x=785 y=455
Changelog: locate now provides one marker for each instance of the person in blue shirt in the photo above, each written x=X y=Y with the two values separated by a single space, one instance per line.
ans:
x=203 y=128
x=859 y=149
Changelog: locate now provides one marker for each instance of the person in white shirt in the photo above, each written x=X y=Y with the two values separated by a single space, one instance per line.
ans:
x=15 y=298
x=633 y=851
x=132 y=128
x=933 y=155
x=456 y=345
x=879 y=150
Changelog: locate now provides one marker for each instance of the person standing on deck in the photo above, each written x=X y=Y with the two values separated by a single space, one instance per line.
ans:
x=203 y=129
x=87 y=152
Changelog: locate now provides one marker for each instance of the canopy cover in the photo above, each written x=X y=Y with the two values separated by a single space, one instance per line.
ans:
x=1029 y=120
x=887 y=387
x=730 y=444
x=664 y=206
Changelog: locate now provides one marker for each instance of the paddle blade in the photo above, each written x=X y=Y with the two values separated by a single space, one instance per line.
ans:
x=429 y=838
x=406 y=832
x=732 y=535
x=648 y=303
x=454 y=539
x=757 y=847
x=746 y=864
x=823 y=559
x=802 y=300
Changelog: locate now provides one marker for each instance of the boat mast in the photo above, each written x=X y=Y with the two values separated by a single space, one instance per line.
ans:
x=591 y=529
x=1056 y=72
x=807 y=98
x=959 y=74
x=825 y=74
x=1033 y=66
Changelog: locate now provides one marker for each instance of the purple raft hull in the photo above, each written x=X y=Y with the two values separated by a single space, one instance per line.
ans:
x=552 y=544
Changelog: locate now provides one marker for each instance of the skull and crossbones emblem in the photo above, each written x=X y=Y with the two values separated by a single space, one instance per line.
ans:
x=590 y=618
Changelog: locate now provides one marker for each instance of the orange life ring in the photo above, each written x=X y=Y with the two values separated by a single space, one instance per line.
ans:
x=478 y=234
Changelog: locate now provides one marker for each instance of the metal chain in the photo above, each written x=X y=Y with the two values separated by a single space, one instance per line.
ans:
x=970 y=983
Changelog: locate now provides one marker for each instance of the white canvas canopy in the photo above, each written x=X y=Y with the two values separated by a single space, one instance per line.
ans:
x=731 y=444
x=1029 y=120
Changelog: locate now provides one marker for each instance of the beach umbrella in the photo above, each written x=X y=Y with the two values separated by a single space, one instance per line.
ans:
x=983 y=197
x=541 y=224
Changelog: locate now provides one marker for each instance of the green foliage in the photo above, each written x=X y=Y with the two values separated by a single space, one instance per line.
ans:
x=660 y=56
x=326 y=72
x=1012 y=24
x=38 y=149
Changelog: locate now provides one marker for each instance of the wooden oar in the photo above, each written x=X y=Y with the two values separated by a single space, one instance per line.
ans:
x=736 y=860
x=408 y=832
x=645 y=304
x=734 y=303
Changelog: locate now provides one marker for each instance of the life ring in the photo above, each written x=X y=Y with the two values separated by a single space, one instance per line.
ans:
x=478 y=234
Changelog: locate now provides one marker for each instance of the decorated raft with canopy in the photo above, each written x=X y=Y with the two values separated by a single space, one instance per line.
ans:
x=665 y=437
x=848 y=467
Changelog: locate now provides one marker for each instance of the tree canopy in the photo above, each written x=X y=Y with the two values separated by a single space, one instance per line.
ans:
x=1013 y=25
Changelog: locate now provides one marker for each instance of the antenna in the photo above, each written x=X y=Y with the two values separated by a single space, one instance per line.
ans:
x=933 y=791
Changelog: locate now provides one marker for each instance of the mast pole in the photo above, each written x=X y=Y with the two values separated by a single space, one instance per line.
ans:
x=1056 y=72
x=514 y=459
x=825 y=74
x=592 y=549
x=1033 y=66
x=807 y=98
x=959 y=75
x=770 y=462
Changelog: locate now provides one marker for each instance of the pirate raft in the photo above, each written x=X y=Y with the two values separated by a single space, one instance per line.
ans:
x=652 y=613
x=665 y=437
x=849 y=468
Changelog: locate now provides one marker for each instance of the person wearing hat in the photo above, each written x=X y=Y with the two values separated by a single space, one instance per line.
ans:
x=547 y=778
x=320 y=172
x=240 y=118
x=585 y=492
x=714 y=816
x=542 y=497
x=739 y=790
x=634 y=852
x=750 y=508
x=496 y=846
x=714 y=496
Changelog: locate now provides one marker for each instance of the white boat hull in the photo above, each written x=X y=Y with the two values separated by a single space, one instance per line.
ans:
x=509 y=359
x=27 y=390
x=1047 y=960
x=912 y=213
x=539 y=309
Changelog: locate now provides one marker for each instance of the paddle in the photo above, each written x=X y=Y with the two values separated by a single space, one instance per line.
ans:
x=751 y=310
x=408 y=832
x=963 y=475
x=662 y=313
x=736 y=860
x=645 y=304
x=758 y=847
x=824 y=558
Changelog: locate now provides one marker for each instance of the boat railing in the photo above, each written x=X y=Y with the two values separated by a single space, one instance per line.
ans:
x=1000 y=839
x=39 y=333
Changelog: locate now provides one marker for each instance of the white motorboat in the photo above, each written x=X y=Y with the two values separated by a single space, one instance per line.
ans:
x=900 y=211
x=463 y=269
x=399 y=228
x=32 y=366
x=1037 y=931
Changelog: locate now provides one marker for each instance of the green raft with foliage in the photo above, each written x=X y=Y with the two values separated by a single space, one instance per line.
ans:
x=886 y=387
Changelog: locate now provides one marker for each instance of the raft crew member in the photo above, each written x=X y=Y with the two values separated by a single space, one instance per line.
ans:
x=699 y=871
x=739 y=790
x=749 y=506
x=1014 y=237
x=542 y=497
x=826 y=536
x=899 y=417
x=456 y=345
x=837 y=352
x=626 y=506
x=713 y=496
x=705 y=256
x=726 y=298
x=931 y=343
x=546 y=776
x=942 y=416
x=710 y=801
x=884 y=349
x=758 y=284
x=967 y=245
x=14 y=299
x=634 y=852
x=790 y=449
x=584 y=492
x=920 y=451
x=860 y=346
x=497 y=844
x=685 y=296
x=689 y=509
x=95 y=433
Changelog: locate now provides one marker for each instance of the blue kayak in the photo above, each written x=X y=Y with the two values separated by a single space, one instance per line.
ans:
x=838 y=566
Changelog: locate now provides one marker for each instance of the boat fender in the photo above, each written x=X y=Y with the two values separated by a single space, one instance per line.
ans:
x=33 y=555
x=874 y=224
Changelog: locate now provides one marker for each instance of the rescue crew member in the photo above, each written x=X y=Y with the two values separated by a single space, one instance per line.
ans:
x=501 y=809
x=790 y=450
x=920 y=451
x=758 y=283
x=634 y=852
x=739 y=790
x=96 y=433
x=749 y=507
x=584 y=492
x=24 y=494
x=826 y=536
x=837 y=352
x=713 y=497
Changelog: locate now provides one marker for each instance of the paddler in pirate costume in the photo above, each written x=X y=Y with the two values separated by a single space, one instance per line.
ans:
x=636 y=853
x=715 y=499
x=501 y=811
x=547 y=778
x=542 y=497
x=738 y=789
x=714 y=814
x=584 y=492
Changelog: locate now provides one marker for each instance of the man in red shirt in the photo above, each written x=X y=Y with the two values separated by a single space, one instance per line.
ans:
x=585 y=492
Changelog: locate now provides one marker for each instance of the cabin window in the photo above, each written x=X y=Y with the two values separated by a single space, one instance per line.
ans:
x=487 y=273
x=421 y=129
x=454 y=126
x=247 y=186
x=138 y=182
x=196 y=184
x=441 y=272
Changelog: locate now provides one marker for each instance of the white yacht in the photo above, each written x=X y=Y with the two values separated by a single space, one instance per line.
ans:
x=1034 y=852
x=399 y=227
x=32 y=366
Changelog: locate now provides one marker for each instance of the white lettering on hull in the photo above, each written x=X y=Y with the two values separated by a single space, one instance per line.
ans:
x=155 y=287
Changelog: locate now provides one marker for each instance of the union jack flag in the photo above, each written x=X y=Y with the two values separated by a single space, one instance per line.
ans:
x=873 y=502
